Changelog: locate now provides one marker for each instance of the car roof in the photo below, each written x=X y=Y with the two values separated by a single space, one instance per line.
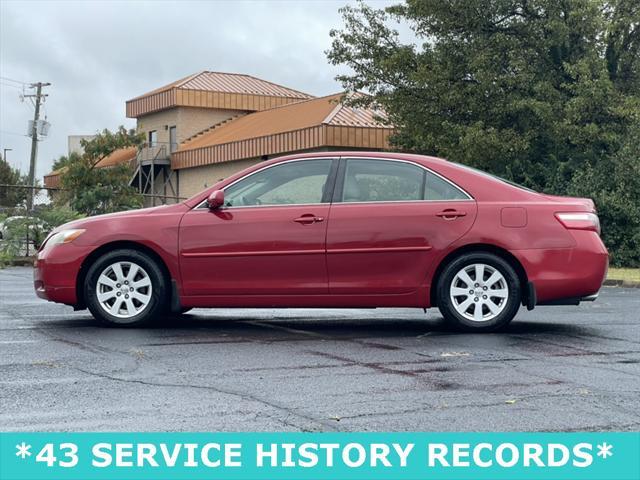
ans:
x=478 y=184
x=364 y=153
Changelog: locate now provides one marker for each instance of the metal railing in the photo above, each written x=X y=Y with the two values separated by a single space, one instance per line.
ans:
x=153 y=153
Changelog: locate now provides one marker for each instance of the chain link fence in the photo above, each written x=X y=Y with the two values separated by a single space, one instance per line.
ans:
x=22 y=231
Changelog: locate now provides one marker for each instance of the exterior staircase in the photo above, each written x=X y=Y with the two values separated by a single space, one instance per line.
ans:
x=212 y=127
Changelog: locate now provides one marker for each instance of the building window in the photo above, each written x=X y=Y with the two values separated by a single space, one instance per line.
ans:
x=173 y=139
x=153 y=138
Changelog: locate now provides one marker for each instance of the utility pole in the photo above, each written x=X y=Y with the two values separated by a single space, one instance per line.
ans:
x=34 y=139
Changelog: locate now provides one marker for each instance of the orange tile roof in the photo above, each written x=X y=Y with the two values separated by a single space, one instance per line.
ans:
x=294 y=116
x=305 y=125
x=52 y=179
x=230 y=91
x=117 y=157
x=229 y=83
x=294 y=126
x=166 y=87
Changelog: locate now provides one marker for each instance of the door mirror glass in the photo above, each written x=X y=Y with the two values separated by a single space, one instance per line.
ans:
x=215 y=199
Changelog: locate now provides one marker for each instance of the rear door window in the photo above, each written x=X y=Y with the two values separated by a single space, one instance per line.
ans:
x=393 y=181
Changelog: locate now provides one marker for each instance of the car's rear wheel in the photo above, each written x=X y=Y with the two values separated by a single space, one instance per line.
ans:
x=125 y=288
x=478 y=292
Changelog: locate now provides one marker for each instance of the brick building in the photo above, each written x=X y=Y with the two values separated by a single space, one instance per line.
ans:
x=209 y=125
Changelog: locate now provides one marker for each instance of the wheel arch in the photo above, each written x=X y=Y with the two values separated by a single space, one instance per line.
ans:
x=109 y=247
x=485 y=248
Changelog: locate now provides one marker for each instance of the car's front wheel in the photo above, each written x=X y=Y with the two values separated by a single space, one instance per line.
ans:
x=125 y=288
x=478 y=292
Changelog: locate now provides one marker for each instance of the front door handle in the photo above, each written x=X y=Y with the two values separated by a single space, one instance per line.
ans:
x=308 y=219
x=450 y=214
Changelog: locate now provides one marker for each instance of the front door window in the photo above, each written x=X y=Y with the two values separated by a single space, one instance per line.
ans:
x=295 y=183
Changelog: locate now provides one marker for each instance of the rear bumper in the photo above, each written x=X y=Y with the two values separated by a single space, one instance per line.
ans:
x=590 y=298
x=567 y=276
x=571 y=301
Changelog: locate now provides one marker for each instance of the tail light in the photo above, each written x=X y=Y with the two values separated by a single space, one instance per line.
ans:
x=579 y=221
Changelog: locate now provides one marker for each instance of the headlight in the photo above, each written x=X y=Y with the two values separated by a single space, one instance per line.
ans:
x=64 y=236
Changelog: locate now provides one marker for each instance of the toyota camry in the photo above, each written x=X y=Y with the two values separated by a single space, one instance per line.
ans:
x=339 y=229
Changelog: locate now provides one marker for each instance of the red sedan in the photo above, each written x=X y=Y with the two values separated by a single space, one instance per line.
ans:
x=343 y=229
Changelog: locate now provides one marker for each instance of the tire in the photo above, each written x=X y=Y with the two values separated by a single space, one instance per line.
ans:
x=478 y=306
x=126 y=288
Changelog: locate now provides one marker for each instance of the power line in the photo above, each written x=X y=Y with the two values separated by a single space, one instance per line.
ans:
x=11 y=85
x=13 y=133
x=13 y=80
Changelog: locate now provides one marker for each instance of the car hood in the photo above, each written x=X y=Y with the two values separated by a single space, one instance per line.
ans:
x=83 y=222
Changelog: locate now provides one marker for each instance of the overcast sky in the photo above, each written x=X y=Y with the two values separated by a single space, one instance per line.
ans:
x=98 y=54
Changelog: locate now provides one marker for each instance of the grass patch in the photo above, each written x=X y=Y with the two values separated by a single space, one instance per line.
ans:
x=626 y=274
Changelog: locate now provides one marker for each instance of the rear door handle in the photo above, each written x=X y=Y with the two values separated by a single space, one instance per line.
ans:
x=308 y=219
x=450 y=214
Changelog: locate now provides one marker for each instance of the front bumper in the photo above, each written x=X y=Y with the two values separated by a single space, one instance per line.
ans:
x=56 y=270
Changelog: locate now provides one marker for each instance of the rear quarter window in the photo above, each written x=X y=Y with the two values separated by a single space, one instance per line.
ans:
x=437 y=188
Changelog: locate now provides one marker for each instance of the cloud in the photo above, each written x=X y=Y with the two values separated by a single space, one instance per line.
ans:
x=98 y=54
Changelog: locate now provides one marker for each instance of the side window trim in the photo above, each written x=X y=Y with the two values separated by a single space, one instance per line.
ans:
x=339 y=184
x=327 y=195
x=326 y=198
x=339 y=187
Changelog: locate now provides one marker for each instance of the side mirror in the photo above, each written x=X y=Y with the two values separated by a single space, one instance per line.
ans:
x=216 y=199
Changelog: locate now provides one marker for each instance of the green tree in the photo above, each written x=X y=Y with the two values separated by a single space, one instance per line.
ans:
x=542 y=92
x=614 y=184
x=527 y=89
x=12 y=197
x=92 y=191
x=64 y=160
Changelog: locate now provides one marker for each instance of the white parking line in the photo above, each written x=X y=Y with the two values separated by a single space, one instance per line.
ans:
x=10 y=342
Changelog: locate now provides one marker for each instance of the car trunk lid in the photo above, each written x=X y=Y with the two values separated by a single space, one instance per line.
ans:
x=586 y=203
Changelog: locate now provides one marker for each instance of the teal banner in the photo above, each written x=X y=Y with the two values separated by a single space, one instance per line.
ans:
x=193 y=456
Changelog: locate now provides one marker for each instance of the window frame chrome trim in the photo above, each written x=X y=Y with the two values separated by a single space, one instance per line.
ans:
x=203 y=204
x=456 y=186
x=470 y=198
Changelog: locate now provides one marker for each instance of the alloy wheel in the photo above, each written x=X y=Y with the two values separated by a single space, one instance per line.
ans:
x=124 y=289
x=479 y=292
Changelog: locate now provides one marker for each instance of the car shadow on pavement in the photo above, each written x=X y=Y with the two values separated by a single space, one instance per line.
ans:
x=307 y=325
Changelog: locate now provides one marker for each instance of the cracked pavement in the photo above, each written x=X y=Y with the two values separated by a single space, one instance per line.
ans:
x=555 y=368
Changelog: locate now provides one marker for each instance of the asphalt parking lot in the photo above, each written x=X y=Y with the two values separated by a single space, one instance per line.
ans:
x=556 y=368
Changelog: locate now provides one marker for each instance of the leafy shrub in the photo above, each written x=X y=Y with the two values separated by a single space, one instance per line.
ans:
x=22 y=235
x=56 y=216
